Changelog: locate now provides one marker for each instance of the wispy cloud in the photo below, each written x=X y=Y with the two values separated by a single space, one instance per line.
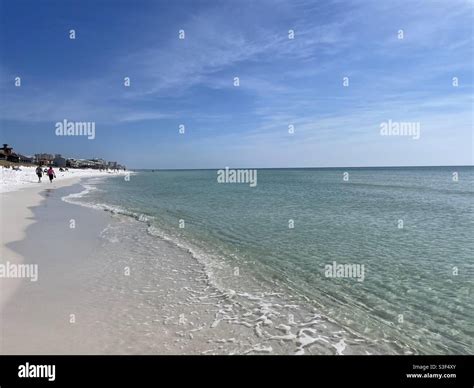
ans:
x=283 y=81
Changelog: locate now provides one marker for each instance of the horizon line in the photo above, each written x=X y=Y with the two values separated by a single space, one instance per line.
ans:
x=298 y=168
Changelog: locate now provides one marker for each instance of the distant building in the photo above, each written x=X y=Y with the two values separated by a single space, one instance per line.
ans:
x=26 y=159
x=6 y=153
x=72 y=163
x=59 y=161
x=82 y=163
x=92 y=163
x=99 y=163
x=44 y=159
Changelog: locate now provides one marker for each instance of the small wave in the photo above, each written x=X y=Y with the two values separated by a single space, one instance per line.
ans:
x=209 y=264
x=71 y=197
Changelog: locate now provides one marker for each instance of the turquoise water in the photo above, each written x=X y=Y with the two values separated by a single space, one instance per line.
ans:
x=417 y=290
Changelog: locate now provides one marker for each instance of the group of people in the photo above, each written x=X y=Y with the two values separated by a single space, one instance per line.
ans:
x=50 y=172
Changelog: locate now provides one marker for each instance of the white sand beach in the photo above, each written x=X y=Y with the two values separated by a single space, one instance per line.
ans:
x=20 y=192
x=13 y=180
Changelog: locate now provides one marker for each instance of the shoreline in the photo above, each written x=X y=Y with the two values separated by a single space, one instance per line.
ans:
x=166 y=305
x=175 y=299
x=17 y=202
x=111 y=313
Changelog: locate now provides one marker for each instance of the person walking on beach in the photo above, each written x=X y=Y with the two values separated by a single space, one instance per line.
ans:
x=39 y=172
x=51 y=174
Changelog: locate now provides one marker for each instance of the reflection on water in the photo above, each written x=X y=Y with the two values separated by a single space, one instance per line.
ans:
x=47 y=194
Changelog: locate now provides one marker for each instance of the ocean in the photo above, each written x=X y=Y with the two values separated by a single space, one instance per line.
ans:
x=384 y=256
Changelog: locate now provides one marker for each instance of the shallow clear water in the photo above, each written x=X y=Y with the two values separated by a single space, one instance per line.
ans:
x=417 y=288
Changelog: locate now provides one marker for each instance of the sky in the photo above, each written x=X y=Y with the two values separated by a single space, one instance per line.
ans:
x=405 y=61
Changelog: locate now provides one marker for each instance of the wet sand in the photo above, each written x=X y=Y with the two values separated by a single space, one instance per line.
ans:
x=35 y=315
x=16 y=209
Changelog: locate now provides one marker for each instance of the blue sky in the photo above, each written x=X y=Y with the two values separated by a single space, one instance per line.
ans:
x=282 y=81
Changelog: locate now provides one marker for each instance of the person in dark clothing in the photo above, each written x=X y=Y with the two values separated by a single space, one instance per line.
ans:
x=39 y=172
